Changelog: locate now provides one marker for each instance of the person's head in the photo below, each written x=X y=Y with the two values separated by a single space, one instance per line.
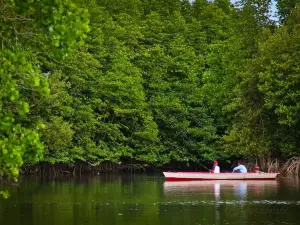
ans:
x=240 y=163
x=256 y=168
x=215 y=163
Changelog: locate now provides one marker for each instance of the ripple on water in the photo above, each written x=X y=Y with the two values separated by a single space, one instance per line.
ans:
x=232 y=202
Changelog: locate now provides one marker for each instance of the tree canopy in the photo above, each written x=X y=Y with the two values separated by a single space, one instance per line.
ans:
x=154 y=82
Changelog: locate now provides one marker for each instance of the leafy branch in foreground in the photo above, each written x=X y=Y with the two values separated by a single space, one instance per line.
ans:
x=26 y=28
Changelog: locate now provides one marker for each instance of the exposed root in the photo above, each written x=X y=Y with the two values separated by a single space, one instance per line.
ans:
x=131 y=167
x=291 y=167
x=79 y=168
x=273 y=166
x=268 y=166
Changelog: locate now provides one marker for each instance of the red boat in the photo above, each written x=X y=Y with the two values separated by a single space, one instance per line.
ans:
x=184 y=176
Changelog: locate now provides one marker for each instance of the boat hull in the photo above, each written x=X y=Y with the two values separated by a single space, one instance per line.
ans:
x=188 y=176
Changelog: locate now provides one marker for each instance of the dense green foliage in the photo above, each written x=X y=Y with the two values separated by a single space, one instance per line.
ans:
x=26 y=27
x=147 y=81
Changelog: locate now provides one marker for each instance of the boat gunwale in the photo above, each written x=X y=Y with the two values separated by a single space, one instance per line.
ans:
x=172 y=176
x=217 y=173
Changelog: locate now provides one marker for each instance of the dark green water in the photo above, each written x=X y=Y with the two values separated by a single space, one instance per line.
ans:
x=144 y=199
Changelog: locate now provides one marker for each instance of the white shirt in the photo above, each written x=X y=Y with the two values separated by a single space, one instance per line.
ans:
x=217 y=169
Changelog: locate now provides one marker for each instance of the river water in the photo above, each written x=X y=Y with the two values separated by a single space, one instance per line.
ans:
x=149 y=200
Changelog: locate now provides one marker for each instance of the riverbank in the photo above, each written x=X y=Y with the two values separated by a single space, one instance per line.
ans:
x=285 y=167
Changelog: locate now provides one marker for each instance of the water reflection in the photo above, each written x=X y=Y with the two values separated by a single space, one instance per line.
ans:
x=239 y=188
x=148 y=200
x=217 y=204
x=226 y=196
x=217 y=191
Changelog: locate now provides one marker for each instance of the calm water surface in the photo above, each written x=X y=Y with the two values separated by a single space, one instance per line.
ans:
x=145 y=199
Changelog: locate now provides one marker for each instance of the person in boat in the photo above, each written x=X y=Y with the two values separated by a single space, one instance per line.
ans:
x=256 y=169
x=240 y=168
x=215 y=168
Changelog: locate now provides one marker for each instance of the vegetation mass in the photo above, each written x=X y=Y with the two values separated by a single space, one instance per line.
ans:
x=147 y=81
